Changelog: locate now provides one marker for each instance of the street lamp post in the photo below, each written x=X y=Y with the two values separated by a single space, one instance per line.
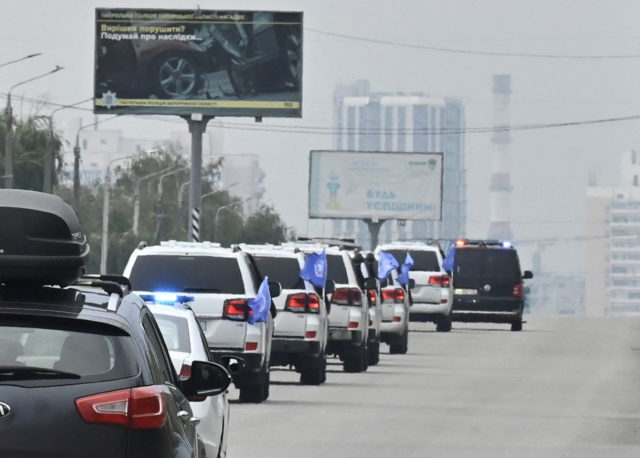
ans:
x=29 y=56
x=136 y=197
x=224 y=207
x=49 y=161
x=8 y=137
x=160 y=192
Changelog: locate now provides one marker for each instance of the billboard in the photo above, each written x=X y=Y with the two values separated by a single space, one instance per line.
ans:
x=376 y=185
x=179 y=62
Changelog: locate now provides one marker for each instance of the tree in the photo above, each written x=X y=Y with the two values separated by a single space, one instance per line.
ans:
x=265 y=226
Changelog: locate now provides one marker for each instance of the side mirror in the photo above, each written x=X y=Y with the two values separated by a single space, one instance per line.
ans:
x=527 y=274
x=233 y=364
x=275 y=288
x=207 y=379
x=412 y=283
x=371 y=283
x=329 y=287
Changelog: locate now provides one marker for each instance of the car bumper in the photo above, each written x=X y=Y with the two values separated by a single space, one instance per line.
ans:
x=482 y=310
x=423 y=308
x=392 y=327
x=310 y=347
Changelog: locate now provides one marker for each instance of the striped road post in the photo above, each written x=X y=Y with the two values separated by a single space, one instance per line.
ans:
x=195 y=225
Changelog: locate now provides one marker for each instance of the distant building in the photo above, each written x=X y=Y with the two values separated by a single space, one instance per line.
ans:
x=613 y=243
x=405 y=122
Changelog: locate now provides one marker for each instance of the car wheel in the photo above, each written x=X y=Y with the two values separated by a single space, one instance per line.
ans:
x=176 y=76
x=374 y=353
x=444 y=324
x=516 y=325
x=256 y=392
x=316 y=374
x=401 y=346
x=357 y=361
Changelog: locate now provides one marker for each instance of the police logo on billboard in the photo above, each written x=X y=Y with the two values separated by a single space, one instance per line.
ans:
x=4 y=409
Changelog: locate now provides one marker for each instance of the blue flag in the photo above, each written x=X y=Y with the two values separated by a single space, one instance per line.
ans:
x=403 y=278
x=261 y=304
x=387 y=263
x=315 y=269
x=447 y=264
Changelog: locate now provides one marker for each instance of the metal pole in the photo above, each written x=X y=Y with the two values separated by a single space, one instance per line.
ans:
x=76 y=170
x=47 y=185
x=8 y=151
x=217 y=214
x=136 y=197
x=197 y=127
x=374 y=231
x=105 y=222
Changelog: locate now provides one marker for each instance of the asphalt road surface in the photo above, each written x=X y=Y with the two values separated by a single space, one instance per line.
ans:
x=563 y=387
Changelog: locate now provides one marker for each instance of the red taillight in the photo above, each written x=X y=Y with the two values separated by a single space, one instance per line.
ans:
x=440 y=280
x=251 y=346
x=397 y=318
x=371 y=294
x=310 y=334
x=353 y=324
x=135 y=408
x=347 y=296
x=236 y=309
x=393 y=295
x=303 y=302
x=517 y=290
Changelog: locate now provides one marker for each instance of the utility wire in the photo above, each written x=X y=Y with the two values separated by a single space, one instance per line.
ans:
x=471 y=51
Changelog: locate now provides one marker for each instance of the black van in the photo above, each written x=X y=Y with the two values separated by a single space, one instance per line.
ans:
x=488 y=283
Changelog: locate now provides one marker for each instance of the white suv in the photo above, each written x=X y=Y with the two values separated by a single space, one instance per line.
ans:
x=301 y=325
x=221 y=282
x=431 y=298
x=348 y=308
x=394 y=329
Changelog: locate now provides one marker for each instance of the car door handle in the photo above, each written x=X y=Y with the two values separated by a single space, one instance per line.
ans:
x=184 y=415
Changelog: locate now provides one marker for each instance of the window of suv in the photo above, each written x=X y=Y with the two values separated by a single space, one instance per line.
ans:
x=187 y=274
x=423 y=260
x=475 y=266
x=336 y=271
x=285 y=271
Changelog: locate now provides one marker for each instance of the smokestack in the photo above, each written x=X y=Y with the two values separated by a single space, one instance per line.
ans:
x=500 y=187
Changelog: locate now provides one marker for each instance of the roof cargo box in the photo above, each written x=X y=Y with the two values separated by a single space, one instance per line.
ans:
x=40 y=239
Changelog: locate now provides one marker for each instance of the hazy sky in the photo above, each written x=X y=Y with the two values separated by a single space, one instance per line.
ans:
x=549 y=167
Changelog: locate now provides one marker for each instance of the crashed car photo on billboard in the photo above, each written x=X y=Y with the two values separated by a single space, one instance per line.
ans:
x=179 y=62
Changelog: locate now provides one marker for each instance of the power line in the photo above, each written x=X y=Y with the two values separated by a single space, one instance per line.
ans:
x=471 y=51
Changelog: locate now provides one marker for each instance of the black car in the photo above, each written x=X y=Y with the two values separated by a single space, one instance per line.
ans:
x=84 y=370
x=488 y=283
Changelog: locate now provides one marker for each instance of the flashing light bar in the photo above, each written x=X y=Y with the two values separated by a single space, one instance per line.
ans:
x=162 y=298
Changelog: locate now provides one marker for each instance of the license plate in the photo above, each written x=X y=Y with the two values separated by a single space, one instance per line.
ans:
x=462 y=292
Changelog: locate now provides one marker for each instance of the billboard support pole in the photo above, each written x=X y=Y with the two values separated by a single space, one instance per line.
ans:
x=374 y=225
x=197 y=126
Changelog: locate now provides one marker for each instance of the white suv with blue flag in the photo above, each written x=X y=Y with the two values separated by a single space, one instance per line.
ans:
x=394 y=296
x=301 y=325
x=432 y=295
x=348 y=306
x=229 y=297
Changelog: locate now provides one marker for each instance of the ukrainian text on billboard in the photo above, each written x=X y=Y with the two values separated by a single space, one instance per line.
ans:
x=378 y=185
x=218 y=63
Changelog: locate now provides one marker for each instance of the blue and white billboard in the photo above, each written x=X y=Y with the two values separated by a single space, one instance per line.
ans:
x=376 y=185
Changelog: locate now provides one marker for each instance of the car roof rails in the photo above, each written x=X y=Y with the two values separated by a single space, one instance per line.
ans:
x=344 y=243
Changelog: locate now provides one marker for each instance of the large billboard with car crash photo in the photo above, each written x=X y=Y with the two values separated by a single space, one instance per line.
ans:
x=180 y=62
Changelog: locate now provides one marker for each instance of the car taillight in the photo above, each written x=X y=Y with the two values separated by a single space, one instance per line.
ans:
x=371 y=294
x=251 y=346
x=393 y=295
x=517 y=290
x=303 y=302
x=440 y=280
x=347 y=296
x=310 y=334
x=397 y=318
x=236 y=309
x=136 y=408
x=353 y=324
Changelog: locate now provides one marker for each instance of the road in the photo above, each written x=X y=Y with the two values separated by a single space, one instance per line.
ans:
x=564 y=387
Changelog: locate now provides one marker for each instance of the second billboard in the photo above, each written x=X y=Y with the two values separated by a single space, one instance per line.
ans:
x=218 y=63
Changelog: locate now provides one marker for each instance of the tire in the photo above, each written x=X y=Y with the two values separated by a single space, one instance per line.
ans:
x=316 y=374
x=516 y=325
x=176 y=76
x=257 y=392
x=402 y=344
x=374 y=353
x=444 y=324
x=356 y=362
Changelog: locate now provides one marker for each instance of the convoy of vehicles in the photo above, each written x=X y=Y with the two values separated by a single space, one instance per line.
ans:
x=154 y=351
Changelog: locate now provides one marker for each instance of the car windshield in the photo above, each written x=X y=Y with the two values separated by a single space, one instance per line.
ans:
x=175 y=331
x=336 y=270
x=62 y=351
x=286 y=271
x=422 y=260
x=187 y=274
x=477 y=266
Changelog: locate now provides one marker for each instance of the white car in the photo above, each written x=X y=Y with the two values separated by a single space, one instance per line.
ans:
x=301 y=325
x=184 y=339
x=394 y=329
x=432 y=296
x=221 y=281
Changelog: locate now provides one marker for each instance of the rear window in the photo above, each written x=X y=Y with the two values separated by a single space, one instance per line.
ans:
x=286 y=271
x=175 y=332
x=478 y=265
x=422 y=260
x=206 y=274
x=52 y=351
x=336 y=271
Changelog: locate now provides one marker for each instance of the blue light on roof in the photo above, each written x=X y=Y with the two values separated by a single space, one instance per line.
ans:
x=165 y=298
x=506 y=244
